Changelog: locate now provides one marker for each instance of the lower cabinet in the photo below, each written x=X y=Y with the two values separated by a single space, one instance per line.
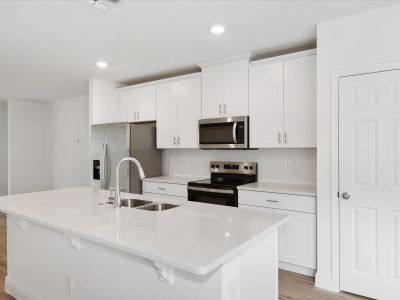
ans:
x=163 y=188
x=297 y=237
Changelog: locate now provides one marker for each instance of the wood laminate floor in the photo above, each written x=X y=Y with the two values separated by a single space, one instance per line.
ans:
x=292 y=286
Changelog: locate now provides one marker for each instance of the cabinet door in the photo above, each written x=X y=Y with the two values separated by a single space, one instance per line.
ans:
x=212 y=91
x=105 y=102
x=300 y=102
x=236 y=89
x=147 y=104
x=297 y=239
x=130 y=105
x=167 y=107
x=266 y=105
x=189 y=112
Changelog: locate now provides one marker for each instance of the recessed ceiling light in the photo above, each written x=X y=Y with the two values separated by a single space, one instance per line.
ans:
x=102 y=64
x=217 y=29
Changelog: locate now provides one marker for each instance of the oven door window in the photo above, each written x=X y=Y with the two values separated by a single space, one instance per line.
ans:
x=216 y=133
x=213 y=198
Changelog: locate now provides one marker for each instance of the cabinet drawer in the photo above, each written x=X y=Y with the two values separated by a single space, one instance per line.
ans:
x=171 y=189
x=279 y=201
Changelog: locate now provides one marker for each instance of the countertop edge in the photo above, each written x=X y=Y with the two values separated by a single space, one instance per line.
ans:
x=201 y=270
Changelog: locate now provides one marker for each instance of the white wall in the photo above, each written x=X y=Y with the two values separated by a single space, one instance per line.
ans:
x=3 y=150
x=302 y=163
x=355 y=41
x=30 y=148
x=70 y=135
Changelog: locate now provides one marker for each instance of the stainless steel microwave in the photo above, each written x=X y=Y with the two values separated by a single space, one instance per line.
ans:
x=224 y=133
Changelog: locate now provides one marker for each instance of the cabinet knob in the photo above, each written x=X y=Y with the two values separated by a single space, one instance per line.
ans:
x=346 y=196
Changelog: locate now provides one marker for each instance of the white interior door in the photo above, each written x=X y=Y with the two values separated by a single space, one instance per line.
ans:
x=369 y=171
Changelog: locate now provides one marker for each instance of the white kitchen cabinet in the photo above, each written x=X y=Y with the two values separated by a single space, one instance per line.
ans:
x=189 y=112
x=266 y=105
x=236 y=88
x=212 y=91
x=301 y=102
x=297 y=237
x=282 y=102
x=167 y=115
x=139 y=104
x=164 y=188
x=178 y=112
x=225 y=89
x=104 y=102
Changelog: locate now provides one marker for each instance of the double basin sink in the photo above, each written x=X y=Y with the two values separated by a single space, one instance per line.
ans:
x=146 y=205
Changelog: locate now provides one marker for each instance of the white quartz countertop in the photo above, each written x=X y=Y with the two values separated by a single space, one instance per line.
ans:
x=280 y=187
x=193 y=237
x=173 y=179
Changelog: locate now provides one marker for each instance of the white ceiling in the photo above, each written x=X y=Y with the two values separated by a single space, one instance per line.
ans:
x=48 y=49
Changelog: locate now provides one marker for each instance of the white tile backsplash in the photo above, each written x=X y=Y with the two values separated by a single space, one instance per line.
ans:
x=278 y=165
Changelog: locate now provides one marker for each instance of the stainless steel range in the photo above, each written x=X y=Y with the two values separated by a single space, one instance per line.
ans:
x=221 y=188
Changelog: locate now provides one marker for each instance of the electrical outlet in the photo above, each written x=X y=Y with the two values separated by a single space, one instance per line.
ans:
x=68 y=284
x=288 y=164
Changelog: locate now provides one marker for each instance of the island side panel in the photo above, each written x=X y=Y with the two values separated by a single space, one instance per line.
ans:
x=44 y=263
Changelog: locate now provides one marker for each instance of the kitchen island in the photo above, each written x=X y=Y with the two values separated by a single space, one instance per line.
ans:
x=70 y=244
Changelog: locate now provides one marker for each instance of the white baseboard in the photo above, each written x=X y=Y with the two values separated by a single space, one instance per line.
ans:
x=19 y=292
x=326 y=282
x=296 y=269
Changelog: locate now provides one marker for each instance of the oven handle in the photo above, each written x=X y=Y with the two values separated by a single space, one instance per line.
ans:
x=234 y=132
x=192 y=188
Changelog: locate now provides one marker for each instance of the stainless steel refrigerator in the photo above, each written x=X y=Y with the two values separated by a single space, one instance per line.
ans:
x=111 y=142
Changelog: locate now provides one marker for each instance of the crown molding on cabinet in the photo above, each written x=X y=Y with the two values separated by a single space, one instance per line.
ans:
x=156 y=82
x=225 y=60
x=284 y=57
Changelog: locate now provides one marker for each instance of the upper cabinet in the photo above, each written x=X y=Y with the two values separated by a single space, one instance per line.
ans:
x=300 y=108
x=138 y=103
x=104 y=102
x=225 y=87
x=178 y=112
x=282 y=102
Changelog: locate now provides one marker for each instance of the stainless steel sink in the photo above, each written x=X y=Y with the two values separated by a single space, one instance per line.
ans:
x=134 y=202
x=158 y=206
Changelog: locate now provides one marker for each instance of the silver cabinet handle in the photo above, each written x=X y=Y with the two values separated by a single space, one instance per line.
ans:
x=286 y=138
x=178 y=140
x=138 y=115
x=162 y=189
x=273 y=201
x=220 y=109
x=279 y=138
x=346 y=196
x=134 y=115
x=225 y=109
x=174 y=140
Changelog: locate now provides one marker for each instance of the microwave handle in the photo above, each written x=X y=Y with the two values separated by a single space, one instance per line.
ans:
x=234 y=129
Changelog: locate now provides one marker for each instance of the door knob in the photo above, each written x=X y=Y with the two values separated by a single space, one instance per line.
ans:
x=346 y=196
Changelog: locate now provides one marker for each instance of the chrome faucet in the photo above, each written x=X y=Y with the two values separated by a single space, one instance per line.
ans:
x=117 y=202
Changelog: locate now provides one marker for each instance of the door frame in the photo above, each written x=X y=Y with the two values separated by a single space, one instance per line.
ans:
x=334 y=157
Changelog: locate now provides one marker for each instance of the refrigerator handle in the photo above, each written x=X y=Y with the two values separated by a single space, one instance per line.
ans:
x=103 y=170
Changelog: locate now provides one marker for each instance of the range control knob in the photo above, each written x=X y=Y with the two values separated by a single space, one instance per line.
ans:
x=212 y=166
x=246 y=167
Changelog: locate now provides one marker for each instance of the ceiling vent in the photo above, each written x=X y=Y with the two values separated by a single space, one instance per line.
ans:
x=103 y=5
